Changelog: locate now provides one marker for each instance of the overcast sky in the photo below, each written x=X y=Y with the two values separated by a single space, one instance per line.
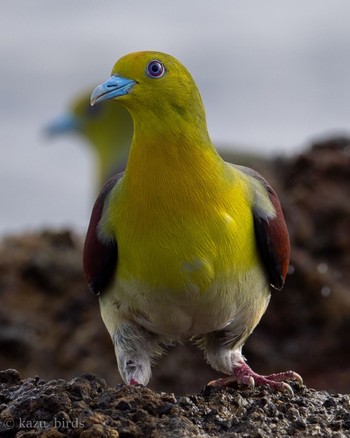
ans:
x=273 y=75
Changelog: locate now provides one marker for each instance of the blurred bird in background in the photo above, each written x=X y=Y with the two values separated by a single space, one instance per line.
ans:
x=182 y=244
x=107 y=128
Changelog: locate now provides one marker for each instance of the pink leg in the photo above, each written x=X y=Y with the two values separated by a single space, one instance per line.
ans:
x=242 y=373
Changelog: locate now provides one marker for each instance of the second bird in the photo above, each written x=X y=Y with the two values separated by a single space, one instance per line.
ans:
x=107 y=128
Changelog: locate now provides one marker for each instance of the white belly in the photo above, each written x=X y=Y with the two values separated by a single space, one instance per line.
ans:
x=190 y=313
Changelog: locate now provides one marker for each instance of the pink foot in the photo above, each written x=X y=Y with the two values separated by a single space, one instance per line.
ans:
x=242 y=373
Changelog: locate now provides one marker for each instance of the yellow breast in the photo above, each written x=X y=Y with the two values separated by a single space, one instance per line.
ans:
x=182 y=228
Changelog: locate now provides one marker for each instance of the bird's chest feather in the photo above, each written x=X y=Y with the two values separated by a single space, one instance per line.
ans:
x=183 y=235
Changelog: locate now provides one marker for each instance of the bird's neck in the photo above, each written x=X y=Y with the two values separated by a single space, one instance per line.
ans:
x=171 y=160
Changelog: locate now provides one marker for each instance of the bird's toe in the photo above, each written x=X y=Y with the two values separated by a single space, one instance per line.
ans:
x=242 y=373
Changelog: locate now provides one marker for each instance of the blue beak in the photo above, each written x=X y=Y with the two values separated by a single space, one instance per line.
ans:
x=114 y=86
x=63 y=124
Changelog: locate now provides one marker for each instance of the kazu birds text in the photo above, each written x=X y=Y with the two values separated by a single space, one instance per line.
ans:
x=182 y=244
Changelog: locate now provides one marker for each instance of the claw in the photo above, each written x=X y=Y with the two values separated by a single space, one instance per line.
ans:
x=251 y=382
x=297 y=377
x=287 y=388
x=218 y=383
x=214 y=382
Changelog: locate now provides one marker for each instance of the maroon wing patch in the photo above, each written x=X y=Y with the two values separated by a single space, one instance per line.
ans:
x=273 y=242
x=271 y=235
x=100 y=257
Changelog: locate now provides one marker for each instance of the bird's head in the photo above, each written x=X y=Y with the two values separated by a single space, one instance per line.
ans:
x=153 y=85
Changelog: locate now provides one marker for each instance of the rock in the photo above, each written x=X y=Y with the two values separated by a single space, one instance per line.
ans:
x=59 y=408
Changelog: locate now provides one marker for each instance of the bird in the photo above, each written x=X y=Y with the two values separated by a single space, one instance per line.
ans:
x=182 y=245
x=107 y=128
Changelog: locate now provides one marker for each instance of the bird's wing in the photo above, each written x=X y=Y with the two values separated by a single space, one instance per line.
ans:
x=100 y=252
x=270 y=230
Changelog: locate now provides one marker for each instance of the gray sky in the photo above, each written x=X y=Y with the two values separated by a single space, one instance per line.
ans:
x=273 y=75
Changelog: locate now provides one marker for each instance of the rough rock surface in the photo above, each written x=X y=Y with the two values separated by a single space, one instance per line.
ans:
x=50 y=323
x=87 y=407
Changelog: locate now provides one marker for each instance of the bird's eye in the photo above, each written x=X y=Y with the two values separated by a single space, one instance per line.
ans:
x=155 y=69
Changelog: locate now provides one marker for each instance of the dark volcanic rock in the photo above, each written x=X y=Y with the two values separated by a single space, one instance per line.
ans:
x=87 y=407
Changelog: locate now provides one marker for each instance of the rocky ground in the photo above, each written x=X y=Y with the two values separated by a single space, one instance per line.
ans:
x=87 y=407
x=50 y=326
